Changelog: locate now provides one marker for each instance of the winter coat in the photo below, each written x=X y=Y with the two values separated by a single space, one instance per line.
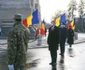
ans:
x=18 y=38
x=63 y=35
x=70 y=39
x=53 y=38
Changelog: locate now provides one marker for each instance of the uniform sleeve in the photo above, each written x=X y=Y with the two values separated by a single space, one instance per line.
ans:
x=27 y=33
x=26 y=37
x=12 y=47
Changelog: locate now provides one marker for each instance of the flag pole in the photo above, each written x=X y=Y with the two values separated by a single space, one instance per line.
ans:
x=39 y=35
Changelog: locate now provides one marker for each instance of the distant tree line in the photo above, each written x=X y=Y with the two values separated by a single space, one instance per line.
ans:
x=79 y=8
x=71 y=11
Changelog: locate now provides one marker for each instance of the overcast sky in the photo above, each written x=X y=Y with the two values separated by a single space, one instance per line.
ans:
x=49 y=7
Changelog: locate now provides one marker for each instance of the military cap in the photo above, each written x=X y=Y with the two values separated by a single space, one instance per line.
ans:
x=17 y=16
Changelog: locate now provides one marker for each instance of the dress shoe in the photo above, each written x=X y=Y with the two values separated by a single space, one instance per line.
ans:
x=52 y=63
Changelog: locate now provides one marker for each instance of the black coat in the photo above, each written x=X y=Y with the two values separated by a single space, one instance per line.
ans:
x=53 y=38
x=63 y=35
x=70 y=36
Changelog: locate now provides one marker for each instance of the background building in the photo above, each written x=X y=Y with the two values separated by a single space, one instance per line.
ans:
x=10 y=7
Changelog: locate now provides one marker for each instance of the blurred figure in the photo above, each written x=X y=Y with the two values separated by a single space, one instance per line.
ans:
x=63 y=36
x=18 y=38
x=38 y=36
x=45 y=31
x=32 y=32
x=70 y=39
x=53 y=41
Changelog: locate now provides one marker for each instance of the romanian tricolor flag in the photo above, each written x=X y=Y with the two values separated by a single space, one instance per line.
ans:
x=63 y=18
x=43 y=27
x=57 y=21
x=32 y=19
x=72 y=24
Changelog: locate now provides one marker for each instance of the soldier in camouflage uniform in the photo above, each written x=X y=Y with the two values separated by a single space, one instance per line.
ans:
x=18 y=38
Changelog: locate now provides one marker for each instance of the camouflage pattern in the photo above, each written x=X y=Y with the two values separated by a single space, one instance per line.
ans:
x=18 y=38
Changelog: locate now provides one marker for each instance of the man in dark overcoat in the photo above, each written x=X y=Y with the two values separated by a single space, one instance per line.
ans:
x=63 y=36
x=53 y=41
x=70 y=40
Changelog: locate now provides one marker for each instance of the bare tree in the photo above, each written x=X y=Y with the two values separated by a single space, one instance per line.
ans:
x=57 y=14
x=72 y=7
x=81 y=8
x=81 y=13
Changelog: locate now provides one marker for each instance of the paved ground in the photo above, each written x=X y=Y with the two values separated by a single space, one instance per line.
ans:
x=39 y=58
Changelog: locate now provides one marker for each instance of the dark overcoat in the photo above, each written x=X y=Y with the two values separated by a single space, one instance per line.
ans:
x=70 y=39
x=63 y=35
x=53 y=38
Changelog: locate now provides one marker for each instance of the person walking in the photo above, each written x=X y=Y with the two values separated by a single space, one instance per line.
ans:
x=70 y=39
x=18 y=38
x=63 y=37
x=53 y=41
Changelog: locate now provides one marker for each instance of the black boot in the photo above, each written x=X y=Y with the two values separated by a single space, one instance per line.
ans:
x=62 y=59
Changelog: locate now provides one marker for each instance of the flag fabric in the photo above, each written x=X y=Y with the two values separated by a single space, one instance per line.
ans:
x=35 y=18
x=63 y=18
x=32 y=19
x=72 y=24
x=43 y=27
x=0 y=30
x=73 y=27
x=28 y=21
x=57 y=21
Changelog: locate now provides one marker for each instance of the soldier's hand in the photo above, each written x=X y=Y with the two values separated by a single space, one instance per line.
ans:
x=10 y=67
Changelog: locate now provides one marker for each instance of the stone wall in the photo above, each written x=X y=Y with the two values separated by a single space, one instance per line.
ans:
x=10 y=7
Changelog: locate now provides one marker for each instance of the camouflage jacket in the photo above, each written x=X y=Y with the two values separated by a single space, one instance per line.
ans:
x=18 y=38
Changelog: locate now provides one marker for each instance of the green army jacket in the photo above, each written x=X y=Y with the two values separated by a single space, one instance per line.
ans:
x=18 y=38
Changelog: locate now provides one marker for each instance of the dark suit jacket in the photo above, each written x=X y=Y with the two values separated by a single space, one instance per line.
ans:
x=63 y=35
x=53 y=38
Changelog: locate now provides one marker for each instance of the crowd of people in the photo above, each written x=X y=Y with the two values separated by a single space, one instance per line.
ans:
x=18 y=38
x=57 y=38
